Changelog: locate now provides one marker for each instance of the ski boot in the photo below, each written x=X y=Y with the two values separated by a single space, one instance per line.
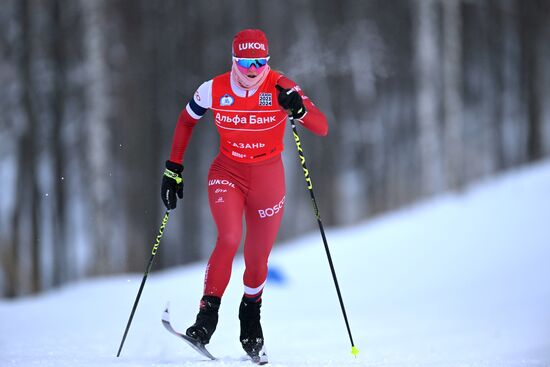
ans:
x=207 y=320
x=252 y=338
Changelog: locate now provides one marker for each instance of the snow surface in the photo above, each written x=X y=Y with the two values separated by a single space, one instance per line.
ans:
x=460 y=280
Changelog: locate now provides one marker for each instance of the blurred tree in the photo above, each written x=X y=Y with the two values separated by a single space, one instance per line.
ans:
x=25 y=218
x=99 y=158
x=533 y=15
x=58 y=146
x=427 y=62
x=452 y=96
x=422 y=96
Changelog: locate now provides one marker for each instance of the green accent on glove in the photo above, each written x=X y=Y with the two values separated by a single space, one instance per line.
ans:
x=300 y=113
x=173 y=175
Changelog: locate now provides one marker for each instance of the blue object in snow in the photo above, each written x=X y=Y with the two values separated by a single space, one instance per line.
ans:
x=275 y=275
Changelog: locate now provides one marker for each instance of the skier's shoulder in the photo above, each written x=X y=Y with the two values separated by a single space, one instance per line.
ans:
x=224 y=78
x=283 y=80
x=203 y=94
x=287 y=83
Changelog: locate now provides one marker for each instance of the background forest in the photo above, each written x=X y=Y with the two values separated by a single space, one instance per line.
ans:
x=421 y=96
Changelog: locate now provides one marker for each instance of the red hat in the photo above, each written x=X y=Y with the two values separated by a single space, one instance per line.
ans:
x=250 y=43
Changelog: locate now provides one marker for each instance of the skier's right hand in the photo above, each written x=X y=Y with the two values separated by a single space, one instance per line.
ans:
x=291 y=101
x=172 y=184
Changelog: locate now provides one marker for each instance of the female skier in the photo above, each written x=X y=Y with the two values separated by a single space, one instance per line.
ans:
x=250 y=105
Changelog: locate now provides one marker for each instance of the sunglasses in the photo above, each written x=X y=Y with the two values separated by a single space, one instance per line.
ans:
x=247 y=63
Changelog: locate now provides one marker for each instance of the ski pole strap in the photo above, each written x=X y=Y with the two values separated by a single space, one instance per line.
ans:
x=173 y=175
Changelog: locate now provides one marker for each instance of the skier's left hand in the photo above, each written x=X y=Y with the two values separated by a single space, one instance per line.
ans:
x=291 y=100
x=172 y=184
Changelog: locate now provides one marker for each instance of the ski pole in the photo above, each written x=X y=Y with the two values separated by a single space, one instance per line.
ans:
x=153 y=253
x=309 y=184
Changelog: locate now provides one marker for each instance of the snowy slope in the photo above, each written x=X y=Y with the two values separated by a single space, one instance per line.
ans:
x=461 y=280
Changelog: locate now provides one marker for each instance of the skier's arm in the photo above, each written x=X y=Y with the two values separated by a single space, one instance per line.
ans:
x=188 y=118
x=182 y=134
x=310 y=117
x=172 y=180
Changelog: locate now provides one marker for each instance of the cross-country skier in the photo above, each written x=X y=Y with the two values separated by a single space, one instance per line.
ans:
x=250 y=104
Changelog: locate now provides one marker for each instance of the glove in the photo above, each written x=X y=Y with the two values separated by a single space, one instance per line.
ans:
x=291 y=101
x=172 y=184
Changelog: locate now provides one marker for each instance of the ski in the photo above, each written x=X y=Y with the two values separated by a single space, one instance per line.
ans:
x=195 y=344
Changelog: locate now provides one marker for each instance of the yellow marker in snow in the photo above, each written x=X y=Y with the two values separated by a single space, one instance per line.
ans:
x=354 y=351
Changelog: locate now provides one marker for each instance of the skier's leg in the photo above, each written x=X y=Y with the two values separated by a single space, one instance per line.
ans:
x=227 y=204
x=264 y=212
x=262 y=226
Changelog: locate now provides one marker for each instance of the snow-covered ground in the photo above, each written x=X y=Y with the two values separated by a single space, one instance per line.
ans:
x=460 y=280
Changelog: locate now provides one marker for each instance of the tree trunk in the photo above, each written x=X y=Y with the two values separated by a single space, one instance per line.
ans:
x=58 y=147
x=530 y=32
x=28 y=197
x=452 y=93
x=99 y=108
x=427 y=95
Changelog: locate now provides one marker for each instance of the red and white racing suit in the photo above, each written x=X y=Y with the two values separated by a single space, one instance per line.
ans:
x=247 y=176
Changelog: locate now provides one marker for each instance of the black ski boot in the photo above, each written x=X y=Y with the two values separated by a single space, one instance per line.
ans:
x=207 y=320
x=252 y=338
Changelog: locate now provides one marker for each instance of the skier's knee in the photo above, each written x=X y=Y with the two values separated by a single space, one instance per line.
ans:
x=230 y=240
